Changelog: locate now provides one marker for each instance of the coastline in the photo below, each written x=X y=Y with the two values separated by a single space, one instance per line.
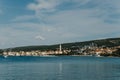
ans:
x=61 y=56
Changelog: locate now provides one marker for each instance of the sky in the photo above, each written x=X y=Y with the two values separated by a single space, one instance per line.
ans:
x=47 y=22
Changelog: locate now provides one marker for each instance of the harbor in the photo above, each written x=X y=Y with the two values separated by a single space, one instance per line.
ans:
x=87 y=50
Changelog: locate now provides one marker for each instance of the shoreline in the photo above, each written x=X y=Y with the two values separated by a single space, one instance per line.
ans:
x=60 y=56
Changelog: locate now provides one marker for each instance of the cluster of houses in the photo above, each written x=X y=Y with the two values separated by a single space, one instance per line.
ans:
x=91 y=49
x=59 y=51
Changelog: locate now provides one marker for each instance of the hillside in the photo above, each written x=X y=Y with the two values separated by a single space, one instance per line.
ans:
x=110 y=42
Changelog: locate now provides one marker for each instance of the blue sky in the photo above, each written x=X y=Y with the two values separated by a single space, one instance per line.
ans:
x=46 y=22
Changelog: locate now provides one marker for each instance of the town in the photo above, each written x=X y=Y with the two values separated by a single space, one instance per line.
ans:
x=87 y=50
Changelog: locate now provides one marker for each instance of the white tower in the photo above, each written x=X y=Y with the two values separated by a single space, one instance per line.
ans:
x=60 y=48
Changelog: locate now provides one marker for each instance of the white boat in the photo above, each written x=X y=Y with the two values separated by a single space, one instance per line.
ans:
x=5 y=56
x=98 y=55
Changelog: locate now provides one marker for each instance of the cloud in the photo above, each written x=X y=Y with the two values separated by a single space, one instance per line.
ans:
x=39 y=37
x=76 y=19
x=24 y=18
x=22 y=34
x=60 y=21
x=106 y=10
x=19 y=33
x=42 y=5
x=44 y=8
x=102 y=9
x=83 y=23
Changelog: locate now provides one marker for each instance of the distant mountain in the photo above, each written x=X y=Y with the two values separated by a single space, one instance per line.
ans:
x=110 y=42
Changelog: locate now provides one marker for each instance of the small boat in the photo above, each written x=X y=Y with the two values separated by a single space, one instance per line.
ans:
x=5 y=56
x=98 y=55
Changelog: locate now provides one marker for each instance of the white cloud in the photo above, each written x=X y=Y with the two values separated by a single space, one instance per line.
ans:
x=83 y=20
x=97 y=8
x=42 y=7
x=43 y=4
x=87 y=18
x=39 y=37
x=24 y=18
x=22 y=34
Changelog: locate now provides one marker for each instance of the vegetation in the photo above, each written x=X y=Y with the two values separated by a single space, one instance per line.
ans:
x=111 y=42
x=103 y=42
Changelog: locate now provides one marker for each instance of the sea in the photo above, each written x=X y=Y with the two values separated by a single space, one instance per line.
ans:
x=60 y=68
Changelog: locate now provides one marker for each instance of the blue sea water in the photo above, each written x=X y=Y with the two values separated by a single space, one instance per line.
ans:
x=60 y=68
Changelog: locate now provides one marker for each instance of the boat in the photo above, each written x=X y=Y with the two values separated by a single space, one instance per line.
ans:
x=5 y=56
x=98 y=55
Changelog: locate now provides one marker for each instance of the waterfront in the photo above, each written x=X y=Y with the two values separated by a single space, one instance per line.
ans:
x=60 y=68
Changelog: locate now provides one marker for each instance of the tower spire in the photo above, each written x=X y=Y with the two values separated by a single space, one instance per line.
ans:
x=60 y=48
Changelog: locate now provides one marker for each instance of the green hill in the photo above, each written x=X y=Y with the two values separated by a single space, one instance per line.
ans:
x=110 y=42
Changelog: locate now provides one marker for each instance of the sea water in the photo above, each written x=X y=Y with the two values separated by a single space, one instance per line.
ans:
x=60 y=68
